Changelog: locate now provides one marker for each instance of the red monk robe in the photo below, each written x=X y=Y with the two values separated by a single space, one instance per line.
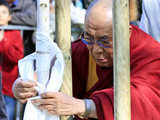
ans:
x=145 y=78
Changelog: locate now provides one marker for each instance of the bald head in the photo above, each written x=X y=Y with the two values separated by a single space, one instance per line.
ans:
x=98 y=28
x=99 y=12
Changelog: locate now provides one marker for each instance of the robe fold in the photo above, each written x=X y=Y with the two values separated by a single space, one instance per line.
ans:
x=145 y=78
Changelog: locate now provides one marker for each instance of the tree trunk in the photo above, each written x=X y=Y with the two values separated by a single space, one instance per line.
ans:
x=63 y=38
x=134 y=12
x=121 y=60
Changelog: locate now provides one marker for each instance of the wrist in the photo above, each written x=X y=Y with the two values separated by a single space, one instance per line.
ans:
x=87 y=108
x=80 y=107
x=90 y=109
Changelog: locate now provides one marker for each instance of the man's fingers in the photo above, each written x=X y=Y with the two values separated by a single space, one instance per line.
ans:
x=53 y=112
x=49 y=95
x=20 y=90
x=22 y=101
x=44 y=102
x=47 y=107
x=28 y=84
x=25 y=95
x=50 y=107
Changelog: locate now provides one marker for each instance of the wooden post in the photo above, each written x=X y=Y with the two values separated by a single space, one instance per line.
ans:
x=134 y=13
x=121 y=60
x=63 y=38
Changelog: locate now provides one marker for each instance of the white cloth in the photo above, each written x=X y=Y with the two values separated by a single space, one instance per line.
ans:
x=150 y=20
x=26 y=70
x=77 y=14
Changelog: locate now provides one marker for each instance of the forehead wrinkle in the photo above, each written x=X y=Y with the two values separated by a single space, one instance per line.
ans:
x=89 y=27
x=100 y=18
x=98 y=26
x=104 y=33
x=93 y=23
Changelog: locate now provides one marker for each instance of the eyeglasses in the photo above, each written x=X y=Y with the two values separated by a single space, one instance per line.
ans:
x=102 y=42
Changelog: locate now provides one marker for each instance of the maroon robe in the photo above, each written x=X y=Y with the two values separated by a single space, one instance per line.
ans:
x=145 y=78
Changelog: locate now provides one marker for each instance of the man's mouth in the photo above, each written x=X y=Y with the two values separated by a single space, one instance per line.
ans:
x=102 y=60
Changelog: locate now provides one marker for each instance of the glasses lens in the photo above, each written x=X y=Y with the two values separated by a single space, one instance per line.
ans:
x=86 y=40
x=90 y=41
x=104 y=44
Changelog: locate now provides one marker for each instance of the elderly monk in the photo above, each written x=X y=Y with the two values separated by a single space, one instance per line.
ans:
x=92 y=58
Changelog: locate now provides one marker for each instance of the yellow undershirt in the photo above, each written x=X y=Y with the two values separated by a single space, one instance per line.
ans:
x=92 y=75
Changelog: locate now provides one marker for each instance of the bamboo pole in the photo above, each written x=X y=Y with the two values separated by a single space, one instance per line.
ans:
x=134 y=13
x=63 y=37
x=121 y=60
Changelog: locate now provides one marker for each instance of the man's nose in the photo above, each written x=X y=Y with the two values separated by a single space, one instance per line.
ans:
x=97 y=48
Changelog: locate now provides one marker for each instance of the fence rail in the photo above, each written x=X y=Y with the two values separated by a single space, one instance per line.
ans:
x=17 y=27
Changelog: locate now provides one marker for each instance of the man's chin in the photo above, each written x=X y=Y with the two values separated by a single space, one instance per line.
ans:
x=107 y=65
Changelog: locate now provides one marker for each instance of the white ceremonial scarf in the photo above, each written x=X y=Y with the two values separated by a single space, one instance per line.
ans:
x=26 y=70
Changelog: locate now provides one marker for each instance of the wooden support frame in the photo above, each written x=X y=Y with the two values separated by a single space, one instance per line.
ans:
x=63 y=38
x=134 y=10
x=122 y=105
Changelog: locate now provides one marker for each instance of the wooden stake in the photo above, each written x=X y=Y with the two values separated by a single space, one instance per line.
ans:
x=63 y=38
x=134 y=13
x=121 y=60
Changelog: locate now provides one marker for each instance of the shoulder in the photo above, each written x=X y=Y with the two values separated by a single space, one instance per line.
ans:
x=143 y=48
x=26 y=3
x=141 y=39
x=79 y=50
x=13 y=32
x=13 y=35
x=79 y=47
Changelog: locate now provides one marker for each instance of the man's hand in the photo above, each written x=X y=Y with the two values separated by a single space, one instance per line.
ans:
x=23 y=90
x=57 y=103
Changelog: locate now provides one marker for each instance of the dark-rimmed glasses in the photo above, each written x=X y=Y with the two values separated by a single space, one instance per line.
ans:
x=103 y=42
